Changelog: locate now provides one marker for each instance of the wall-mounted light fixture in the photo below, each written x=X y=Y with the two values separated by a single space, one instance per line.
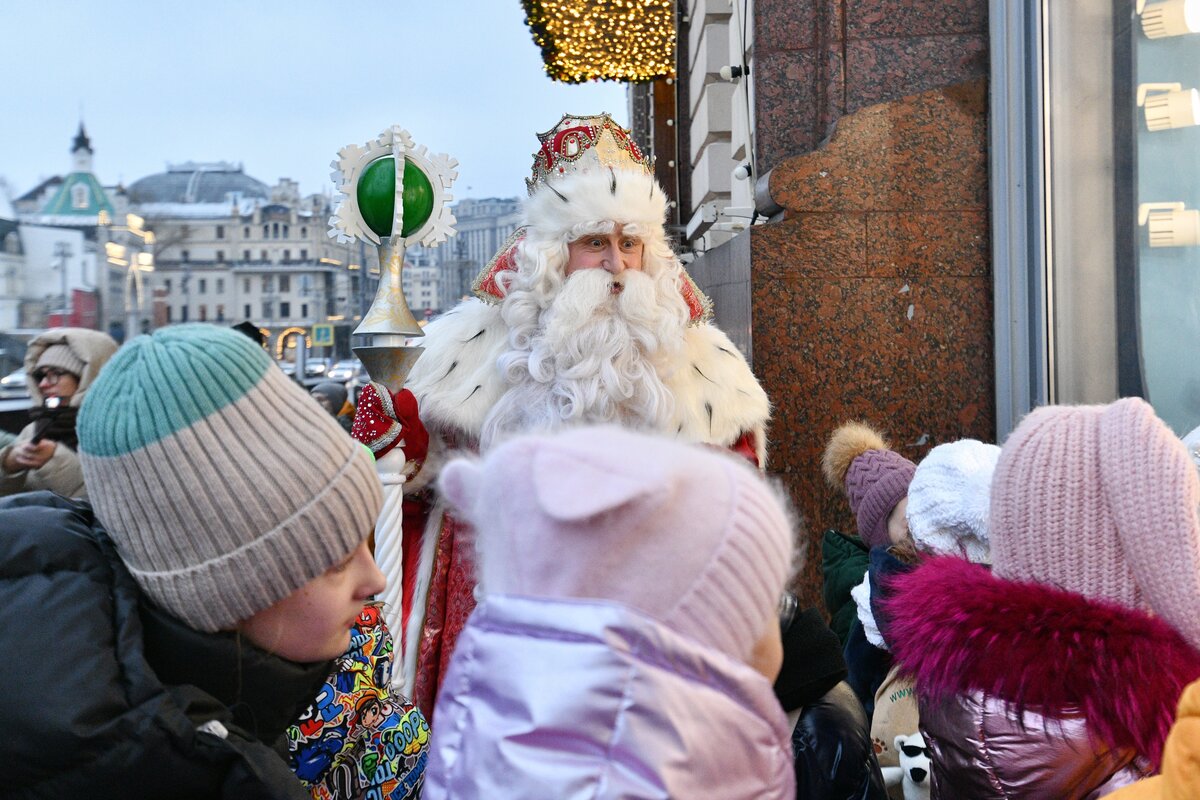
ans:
x=1170 y=224
x=742 y=171
x=732 y=73
x=1169 y=17
x=1169 y=105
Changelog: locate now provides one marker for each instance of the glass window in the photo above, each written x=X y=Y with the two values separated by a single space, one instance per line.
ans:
x=285 y=283
x=220 y=313
x=246 y=311
x=220 y=231
x=202 y=285
x=285 y=309
x=1166 y=182
x=220 y=286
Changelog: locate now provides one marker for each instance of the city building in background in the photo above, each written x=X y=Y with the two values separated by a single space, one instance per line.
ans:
x=61 y=277
x=228 y=248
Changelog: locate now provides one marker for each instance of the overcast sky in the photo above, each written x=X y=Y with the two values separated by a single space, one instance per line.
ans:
x=278 y=86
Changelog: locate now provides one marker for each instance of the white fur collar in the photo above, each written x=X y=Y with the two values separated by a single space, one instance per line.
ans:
x=456 y=381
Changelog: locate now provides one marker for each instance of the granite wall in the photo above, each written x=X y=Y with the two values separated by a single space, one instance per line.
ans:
x=872 y=297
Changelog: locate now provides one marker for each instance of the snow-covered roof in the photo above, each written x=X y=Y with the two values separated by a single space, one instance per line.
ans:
x=245 y=207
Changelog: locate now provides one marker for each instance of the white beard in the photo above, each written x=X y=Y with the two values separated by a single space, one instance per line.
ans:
x=591 y=356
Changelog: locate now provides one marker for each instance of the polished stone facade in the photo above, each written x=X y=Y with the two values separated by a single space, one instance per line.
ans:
x=872 y=297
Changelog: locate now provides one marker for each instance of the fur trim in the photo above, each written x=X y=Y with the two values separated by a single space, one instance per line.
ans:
x=622 y=196
x=456 y=381
x=93 y=348
x=958 y=629
x=717 y=397
x=847 y=443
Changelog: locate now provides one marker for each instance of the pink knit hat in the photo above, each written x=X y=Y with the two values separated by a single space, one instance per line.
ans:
x=1103 y=501
x=687 y=534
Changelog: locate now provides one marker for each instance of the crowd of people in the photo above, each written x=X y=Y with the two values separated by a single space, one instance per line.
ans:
x=593 y=589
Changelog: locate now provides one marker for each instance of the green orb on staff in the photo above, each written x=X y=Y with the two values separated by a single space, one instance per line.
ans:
x=391 y=208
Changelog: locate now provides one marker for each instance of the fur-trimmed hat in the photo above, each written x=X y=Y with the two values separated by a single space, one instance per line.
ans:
x=874 y=477
x=589 y=170
x=689 y=535
x=1105 y=502
x=948 y=500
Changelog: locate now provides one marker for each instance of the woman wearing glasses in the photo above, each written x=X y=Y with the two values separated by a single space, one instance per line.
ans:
x=60 y=364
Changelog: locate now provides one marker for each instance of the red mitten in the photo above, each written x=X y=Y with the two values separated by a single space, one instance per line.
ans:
x=416 y=438
x=383 y=419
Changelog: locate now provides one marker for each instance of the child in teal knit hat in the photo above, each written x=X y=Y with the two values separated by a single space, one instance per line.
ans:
x=187 y=617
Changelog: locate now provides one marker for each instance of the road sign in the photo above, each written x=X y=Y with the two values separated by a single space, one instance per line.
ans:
x=322 y=335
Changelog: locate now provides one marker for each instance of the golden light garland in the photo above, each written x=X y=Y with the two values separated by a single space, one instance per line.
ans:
x=614 y=40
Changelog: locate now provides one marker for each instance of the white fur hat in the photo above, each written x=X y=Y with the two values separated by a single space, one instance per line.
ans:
x=948 y=499
x=1192 y=442
x=589 y=170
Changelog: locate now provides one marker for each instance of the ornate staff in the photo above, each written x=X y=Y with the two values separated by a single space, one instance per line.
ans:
x=392 y=194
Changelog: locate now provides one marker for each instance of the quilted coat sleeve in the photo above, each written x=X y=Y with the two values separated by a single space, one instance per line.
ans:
x=832 y=746
x=84 y=714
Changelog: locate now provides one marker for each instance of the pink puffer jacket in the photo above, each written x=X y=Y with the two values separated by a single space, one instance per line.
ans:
x=1029 y=691
x=585 y=699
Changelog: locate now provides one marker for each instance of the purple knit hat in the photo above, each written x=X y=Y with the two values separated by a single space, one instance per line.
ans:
x=876 y=481
x=1102 y=501
x=858 y=461
x=687 y=534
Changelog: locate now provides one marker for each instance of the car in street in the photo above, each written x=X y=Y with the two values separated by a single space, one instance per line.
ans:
x=356 y=383
x=343 y=371
x=316 y=368
x=13 y=385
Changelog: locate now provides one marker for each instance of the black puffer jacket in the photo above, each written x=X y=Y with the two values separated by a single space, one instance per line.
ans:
x=831 y=741
x=105 y=696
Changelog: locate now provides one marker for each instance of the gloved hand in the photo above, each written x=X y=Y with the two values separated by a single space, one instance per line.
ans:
x=383 y=419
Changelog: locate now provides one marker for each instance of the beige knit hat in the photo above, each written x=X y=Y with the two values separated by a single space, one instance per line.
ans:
x=224 y=486
x=61 y=357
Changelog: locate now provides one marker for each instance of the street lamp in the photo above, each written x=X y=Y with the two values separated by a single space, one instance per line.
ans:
x=135 y=263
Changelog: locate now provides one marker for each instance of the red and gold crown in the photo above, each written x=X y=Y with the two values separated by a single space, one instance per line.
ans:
x=582 y=144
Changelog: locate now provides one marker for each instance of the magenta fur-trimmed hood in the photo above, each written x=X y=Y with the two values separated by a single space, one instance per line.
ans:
x=957 y=629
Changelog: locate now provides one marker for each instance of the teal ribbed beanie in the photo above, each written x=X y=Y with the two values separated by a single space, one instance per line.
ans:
x=224 y=486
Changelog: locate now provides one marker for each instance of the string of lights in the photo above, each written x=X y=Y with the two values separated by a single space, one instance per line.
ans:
x=616 y=40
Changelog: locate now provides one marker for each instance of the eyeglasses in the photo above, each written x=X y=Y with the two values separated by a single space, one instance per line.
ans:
x=49 y=375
